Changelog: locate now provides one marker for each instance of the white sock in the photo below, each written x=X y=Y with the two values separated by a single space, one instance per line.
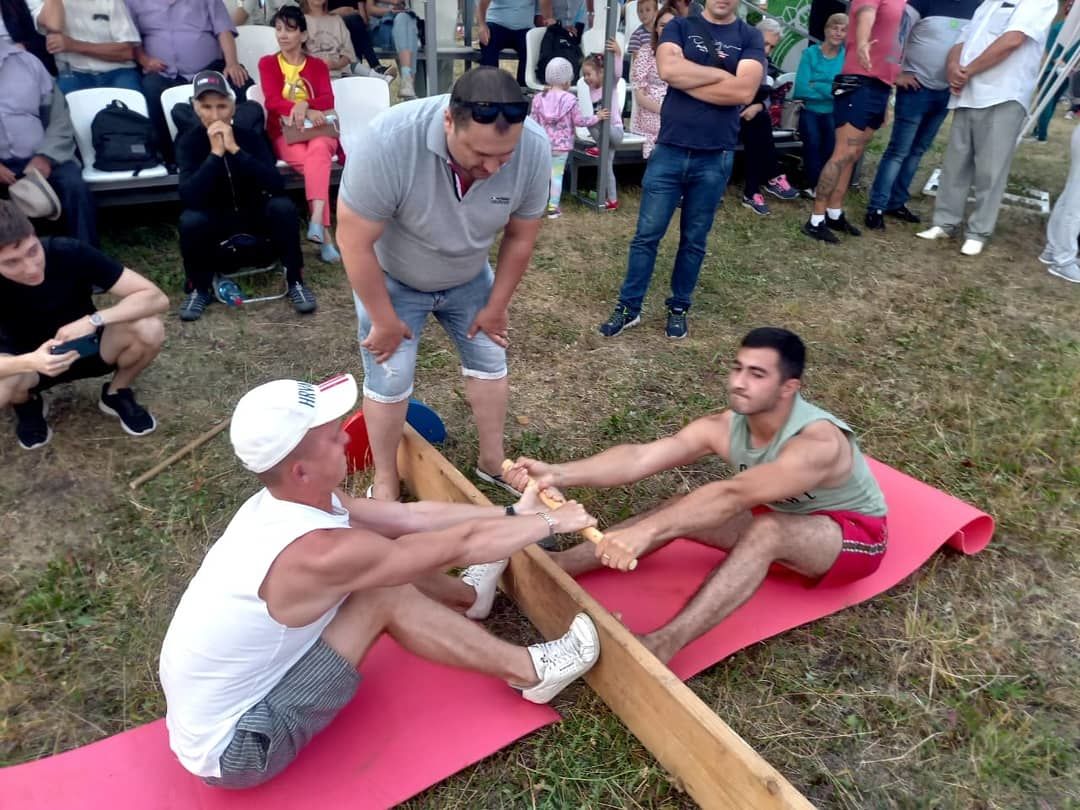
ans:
x=834 y=213
x=816 y=219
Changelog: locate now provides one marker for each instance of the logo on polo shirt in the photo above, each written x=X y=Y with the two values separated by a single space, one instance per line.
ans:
x=500 y=200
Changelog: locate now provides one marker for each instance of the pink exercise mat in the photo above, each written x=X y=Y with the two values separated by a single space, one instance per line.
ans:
x=414 y=723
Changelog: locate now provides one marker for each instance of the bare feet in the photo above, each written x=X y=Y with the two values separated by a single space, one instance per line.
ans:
x=658 y=646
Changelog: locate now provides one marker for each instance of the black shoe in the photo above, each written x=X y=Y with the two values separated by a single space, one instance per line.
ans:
x=195 y=305
x=906 y=214
x=303 y=299
x=620 y=319
x=31 y=429
x=134 y=418
x=874 y=219
x=676 y=324
x=841 y=224
x=820 y=232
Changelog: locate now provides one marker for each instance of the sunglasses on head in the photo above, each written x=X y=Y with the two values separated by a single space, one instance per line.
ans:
x=485 y=112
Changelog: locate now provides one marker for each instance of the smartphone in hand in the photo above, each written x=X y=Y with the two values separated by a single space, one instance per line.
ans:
x=86 y=346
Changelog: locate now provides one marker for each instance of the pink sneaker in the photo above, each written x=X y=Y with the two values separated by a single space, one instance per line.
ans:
x=780 y=187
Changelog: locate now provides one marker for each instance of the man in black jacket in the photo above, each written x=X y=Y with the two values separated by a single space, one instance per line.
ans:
x=234 y=205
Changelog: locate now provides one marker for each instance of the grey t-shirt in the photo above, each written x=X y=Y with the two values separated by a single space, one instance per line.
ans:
x=933 y=27
x=398 y=172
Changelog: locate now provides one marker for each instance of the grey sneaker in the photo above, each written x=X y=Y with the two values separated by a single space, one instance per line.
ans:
x=406 y=88
x=1069 y=272
x=484 y=579
x=1046 y=257
x=195 y=305
x=303 y=299
x=558 y=663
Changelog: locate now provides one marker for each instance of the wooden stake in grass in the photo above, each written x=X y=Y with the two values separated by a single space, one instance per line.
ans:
x=179 y=454
x=554 y=500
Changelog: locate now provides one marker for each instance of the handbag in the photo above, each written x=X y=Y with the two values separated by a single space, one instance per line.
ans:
x=308 y=131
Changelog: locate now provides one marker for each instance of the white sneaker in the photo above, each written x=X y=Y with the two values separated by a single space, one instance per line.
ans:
x=1046 y=257
x=558 y=663
x=1069 y=272
x=972 y=247
x=484 y=579
x=936 y=232
x=406 y=88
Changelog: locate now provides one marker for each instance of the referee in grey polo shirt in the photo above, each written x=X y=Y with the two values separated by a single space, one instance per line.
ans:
x=424 y=193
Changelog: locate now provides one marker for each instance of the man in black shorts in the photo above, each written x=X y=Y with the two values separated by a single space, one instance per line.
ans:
x=46 y=300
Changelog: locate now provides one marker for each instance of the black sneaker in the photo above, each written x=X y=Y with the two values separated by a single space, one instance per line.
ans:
x=676 y=324
x=134 y=418
x=303 y=299
x=195 y=305
x=620 y=319
x=820 y=232
x=904 y=213
x=31 y=429
x=874 y=219
x=841 y=224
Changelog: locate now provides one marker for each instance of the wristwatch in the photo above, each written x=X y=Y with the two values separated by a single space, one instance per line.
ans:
x=97 y=320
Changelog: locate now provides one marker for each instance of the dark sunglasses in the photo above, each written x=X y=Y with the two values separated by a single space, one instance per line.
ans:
x=485 y=112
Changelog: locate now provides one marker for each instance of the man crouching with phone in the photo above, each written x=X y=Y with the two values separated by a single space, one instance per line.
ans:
x=51 y=332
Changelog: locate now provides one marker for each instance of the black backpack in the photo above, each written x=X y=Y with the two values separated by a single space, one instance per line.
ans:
x=558 y=41
x=124 y=140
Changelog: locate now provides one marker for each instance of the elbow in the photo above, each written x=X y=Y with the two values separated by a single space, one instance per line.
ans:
x=746 y=97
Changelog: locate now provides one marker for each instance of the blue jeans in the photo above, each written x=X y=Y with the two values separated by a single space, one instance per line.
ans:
x=919 y=115
x=455 y=309
x=817 y=131
x=700 y=178
x=398 y=31
x=123 y=78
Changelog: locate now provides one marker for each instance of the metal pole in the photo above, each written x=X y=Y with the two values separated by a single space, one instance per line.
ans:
x=611 y=75
x=431 y=48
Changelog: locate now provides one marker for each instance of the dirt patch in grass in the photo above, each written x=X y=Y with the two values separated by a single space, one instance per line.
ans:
x=958 y=688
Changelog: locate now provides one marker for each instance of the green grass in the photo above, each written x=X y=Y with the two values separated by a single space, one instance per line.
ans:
x=959 y=688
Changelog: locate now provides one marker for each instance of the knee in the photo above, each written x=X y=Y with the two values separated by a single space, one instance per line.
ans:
x=764 y=535
x=281 y=210
x=149 y=334
x=16 y=390
x=193 y=222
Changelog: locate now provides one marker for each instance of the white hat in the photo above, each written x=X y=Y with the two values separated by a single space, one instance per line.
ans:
x=271 y=420
x=559 y=71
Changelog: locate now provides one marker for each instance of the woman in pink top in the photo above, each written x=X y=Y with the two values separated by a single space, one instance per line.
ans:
x=556 y=110
x=649 y=89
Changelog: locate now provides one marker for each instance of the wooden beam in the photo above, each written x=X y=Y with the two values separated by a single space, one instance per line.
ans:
x=709 y=760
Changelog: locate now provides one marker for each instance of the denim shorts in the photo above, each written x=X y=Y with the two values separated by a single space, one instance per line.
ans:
x=455 y=309
x=864 y=107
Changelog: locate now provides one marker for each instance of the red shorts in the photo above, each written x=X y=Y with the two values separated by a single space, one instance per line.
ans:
x=865 y=538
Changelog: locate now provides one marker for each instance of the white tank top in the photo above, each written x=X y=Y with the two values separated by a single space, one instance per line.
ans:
x=223 y=652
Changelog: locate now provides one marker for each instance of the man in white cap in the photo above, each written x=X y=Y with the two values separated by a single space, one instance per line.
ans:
x=262 y=651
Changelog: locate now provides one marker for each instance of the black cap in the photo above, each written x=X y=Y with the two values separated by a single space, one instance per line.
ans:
x=209 y=81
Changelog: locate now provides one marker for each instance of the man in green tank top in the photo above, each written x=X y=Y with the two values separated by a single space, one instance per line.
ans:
x=803 y=495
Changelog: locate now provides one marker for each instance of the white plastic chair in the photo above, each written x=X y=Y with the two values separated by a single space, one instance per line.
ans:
x=592 y=41
x=253 y=42
x=255 y=93
x=586 y=106
x=783 y=79
x=532 y=57
x=84 y=105
x=631 y=22
x=357 y=100
x=169 y=99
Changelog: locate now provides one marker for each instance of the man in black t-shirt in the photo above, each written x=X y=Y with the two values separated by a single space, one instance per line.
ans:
x=713 y=65
x=46 y=300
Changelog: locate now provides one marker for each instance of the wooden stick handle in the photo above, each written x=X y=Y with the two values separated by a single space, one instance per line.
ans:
x=590 y=533
x=179 y=454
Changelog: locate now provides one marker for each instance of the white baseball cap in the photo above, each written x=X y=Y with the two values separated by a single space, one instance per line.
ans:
x=271 y=420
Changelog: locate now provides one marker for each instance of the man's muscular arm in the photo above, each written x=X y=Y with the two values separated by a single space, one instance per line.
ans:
x=819 y=453
x=627 y=463
x=674 y=68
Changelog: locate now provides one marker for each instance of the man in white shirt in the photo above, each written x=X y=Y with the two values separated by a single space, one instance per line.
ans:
x=93 y=42
x=992 y=72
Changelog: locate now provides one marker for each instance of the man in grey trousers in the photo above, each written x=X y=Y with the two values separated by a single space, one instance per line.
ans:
x=992 y=71
x=1063 y=229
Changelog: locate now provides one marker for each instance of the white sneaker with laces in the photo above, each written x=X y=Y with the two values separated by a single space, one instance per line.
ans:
x=936 y=232
x=406 y=88
x=972 y=247
x=558 y=663
x=484 y=579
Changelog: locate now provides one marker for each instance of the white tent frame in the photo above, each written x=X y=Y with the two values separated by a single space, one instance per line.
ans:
x=1056 y=69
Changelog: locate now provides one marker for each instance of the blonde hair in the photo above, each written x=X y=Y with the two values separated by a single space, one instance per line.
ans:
x=836 y=19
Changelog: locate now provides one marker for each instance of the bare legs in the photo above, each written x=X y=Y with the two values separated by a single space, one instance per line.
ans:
x=487 y=398
x=836 y=173
x=808 y=544
x=131 y=347
x=426 y=628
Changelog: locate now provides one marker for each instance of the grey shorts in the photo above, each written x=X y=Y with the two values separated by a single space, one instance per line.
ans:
x=271 y=733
